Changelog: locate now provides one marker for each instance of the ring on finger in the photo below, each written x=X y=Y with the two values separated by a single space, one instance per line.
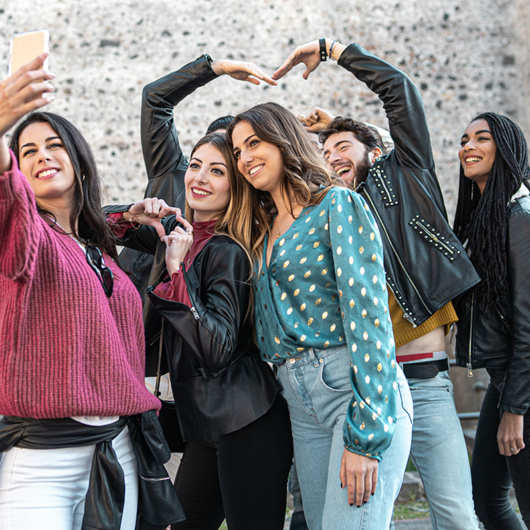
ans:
x=189 y=231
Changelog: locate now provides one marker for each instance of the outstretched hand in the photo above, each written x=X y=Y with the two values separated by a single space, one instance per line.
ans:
x=151 y=212
x=243 y=71
x=309 y=54
x=358 y=474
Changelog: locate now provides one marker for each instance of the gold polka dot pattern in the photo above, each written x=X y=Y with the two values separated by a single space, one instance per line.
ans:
x=323 y=289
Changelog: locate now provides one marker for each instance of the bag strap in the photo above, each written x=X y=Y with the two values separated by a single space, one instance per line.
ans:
x=160 y=348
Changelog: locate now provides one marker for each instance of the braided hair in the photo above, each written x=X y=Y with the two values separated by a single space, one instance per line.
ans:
x=482 y=220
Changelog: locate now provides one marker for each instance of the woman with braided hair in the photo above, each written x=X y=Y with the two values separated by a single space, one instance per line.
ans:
x=493 y=222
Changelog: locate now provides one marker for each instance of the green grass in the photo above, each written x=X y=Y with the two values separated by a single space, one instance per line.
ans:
x=412 y=510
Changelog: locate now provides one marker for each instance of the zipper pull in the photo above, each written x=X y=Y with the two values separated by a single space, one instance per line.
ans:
x=195 y=314
x=469 y=369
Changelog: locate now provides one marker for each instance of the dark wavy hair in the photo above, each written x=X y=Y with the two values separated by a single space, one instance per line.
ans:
x=86 y=208
x=482 y=220
x=306 y=178
x=221 y=123
x=364 y=133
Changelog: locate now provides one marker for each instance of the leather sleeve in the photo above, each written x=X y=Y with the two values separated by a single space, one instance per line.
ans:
x=164 y=160
x=144 y=239
x=515 y=396
x=212 y=332
x=402 y=103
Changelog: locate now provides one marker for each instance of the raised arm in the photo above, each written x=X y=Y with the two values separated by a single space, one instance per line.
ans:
x=19 y=220
x=401 y=99
x=164 y=160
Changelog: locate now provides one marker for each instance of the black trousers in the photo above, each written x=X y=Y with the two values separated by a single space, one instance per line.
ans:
x=242 y=477
x=493 y=473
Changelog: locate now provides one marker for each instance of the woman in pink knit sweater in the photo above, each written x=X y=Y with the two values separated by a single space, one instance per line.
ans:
x=72 y=348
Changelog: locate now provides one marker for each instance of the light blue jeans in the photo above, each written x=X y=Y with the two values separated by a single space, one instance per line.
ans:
x=318 y=391
x=440 y=455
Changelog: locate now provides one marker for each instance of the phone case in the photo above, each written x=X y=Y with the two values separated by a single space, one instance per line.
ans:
x=24 y=47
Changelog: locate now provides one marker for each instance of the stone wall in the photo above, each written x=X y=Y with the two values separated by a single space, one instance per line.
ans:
x=466 y=57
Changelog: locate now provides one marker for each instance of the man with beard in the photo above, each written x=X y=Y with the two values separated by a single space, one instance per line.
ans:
x=426 y=266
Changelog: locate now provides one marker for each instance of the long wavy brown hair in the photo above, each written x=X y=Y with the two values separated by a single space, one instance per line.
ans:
x=233 y=222
x=306 y=179
x=86 y=206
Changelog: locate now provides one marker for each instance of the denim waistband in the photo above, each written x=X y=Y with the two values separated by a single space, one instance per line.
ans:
x=312 y=356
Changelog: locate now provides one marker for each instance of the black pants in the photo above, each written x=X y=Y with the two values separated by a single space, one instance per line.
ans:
x=493 y=473
x=242 y=477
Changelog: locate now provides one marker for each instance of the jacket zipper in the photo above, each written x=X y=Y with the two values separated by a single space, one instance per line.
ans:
x=376 y=213
x=470 y=360
x=441 y=243
x=195 y=314
x=501 y=316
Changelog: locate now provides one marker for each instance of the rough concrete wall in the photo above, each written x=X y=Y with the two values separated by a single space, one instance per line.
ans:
x=523 y=51
x=465 y=57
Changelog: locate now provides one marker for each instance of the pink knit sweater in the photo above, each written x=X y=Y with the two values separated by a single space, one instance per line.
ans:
x=65 y=348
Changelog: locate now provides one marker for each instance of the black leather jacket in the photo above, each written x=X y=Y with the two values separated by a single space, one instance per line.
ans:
x=166 y=166
x=219 y=381
x=426 y=265
x=499 y=338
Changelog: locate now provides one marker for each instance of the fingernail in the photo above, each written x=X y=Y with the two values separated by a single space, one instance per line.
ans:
x=351 y=503
x=341 y=486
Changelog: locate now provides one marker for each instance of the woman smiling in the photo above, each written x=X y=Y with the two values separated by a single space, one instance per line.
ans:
x=72 y=349
x=321 y=310
x=233 y=419
x=493 y=219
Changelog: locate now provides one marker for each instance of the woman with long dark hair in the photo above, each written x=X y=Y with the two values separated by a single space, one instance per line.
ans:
x=231 y=415
x=493 y=221
x=321 y=313
x=72 y=349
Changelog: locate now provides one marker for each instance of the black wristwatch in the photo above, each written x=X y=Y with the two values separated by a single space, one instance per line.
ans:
x=323 y=54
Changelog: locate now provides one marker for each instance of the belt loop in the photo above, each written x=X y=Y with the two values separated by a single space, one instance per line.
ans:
x=313 y=357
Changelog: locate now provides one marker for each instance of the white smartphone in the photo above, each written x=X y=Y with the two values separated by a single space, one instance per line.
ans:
x=26 y=46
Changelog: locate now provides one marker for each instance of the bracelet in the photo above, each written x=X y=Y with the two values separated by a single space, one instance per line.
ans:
x=134 y=225
x=331 y=49
x=323 y=54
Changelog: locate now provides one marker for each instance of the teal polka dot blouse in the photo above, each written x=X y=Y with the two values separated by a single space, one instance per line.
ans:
x=325 y=287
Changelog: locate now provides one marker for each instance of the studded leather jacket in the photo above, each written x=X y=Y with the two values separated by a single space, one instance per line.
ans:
x=498 y=338
x=426 y=265
x=166 y=166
